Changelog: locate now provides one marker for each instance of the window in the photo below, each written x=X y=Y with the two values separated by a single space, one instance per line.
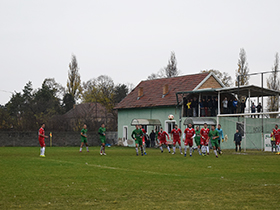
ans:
x=169 y=125
x=125 y=132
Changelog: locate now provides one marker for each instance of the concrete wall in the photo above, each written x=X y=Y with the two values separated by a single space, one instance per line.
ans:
x=11 y=138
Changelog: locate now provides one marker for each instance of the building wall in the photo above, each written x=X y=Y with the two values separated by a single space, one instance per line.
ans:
x=210 y=83
x=126 y=116
x=253 y=126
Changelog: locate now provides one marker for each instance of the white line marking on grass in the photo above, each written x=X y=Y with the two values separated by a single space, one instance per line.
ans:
x=115 y=168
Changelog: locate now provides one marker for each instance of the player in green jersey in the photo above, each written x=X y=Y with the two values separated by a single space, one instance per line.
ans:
x=102 y=136
x=214 y=136
x=197 y=139
x=84 y=138
x=137 y=135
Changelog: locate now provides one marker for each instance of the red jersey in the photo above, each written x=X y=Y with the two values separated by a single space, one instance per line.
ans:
x=161 y=136
x=204 y=133
x=276 y=134
x=144 y=132
x=189 y=132
x=41 y=131
x=176 y=133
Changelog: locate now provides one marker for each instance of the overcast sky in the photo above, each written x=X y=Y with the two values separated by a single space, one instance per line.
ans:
x=129 y=40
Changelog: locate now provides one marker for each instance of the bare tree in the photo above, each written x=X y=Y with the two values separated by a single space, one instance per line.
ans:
x=170 y=70
x=223 y=76
x=273 y=83
x=74 y=80
x=243 y=69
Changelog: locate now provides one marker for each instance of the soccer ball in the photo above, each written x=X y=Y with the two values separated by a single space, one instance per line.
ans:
x=170 y=117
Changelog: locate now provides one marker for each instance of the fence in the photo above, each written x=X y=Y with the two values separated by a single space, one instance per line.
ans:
x=253 y=130
x=30 y=138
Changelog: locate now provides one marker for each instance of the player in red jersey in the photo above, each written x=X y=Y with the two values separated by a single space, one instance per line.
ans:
x=162 y=139
x=276 y=135
x=189 y=134
x=41 y=138
x=204 y=139
x=176 y=137
x=143 y=139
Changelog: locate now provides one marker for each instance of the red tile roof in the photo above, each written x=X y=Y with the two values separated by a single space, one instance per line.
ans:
x=153 y=91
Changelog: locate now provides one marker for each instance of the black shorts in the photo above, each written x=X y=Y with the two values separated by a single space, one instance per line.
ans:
x=237 y=143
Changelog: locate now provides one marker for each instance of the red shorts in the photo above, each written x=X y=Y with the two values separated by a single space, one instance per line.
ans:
x=163 y=142
x=176 y=140
x=42 y=142
x=189 y=142
x=204 y=141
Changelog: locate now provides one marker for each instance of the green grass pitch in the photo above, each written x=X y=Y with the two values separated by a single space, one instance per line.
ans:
x=67 y=179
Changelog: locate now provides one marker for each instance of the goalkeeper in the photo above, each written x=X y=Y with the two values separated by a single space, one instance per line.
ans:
x=221 y=136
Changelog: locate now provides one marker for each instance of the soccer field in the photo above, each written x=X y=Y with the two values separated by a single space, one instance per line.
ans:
x=67 y=179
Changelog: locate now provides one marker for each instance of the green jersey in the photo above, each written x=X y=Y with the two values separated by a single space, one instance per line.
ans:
x=84 y=132
x=197 y=135
x=101 y=132
x=212 y=134
x=137 y=133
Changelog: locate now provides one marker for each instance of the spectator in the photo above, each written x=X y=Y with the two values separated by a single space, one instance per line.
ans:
x=235 y=106
x=225 y=105
x=230 y=106
x=253 y=109
x=189 y=111
x=242 y=106
x=259 y=109
x=156 y=136
x=205 y=104
x=213 y=110
x=215 y=102
x=237 y=140
x=202 y=111
x=210 y=106
x=194 y=107
x=152 y=137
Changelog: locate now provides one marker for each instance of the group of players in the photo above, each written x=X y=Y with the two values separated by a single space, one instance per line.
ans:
x=101 y=133
x=201 y=138
x=275 y=139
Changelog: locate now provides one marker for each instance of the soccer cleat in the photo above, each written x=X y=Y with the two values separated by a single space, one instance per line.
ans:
x=185 y=155
x=104 y=153
x=136 y=154
x=173 y=153
x=42 y=156
x=207 y=153
x=80 y=151
x=145 y=153
x=190 y=155
x=216 y=156
x=142 y=154
x=87 y=151
x=161 y=151
x=203 y=154
x=100 y=153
